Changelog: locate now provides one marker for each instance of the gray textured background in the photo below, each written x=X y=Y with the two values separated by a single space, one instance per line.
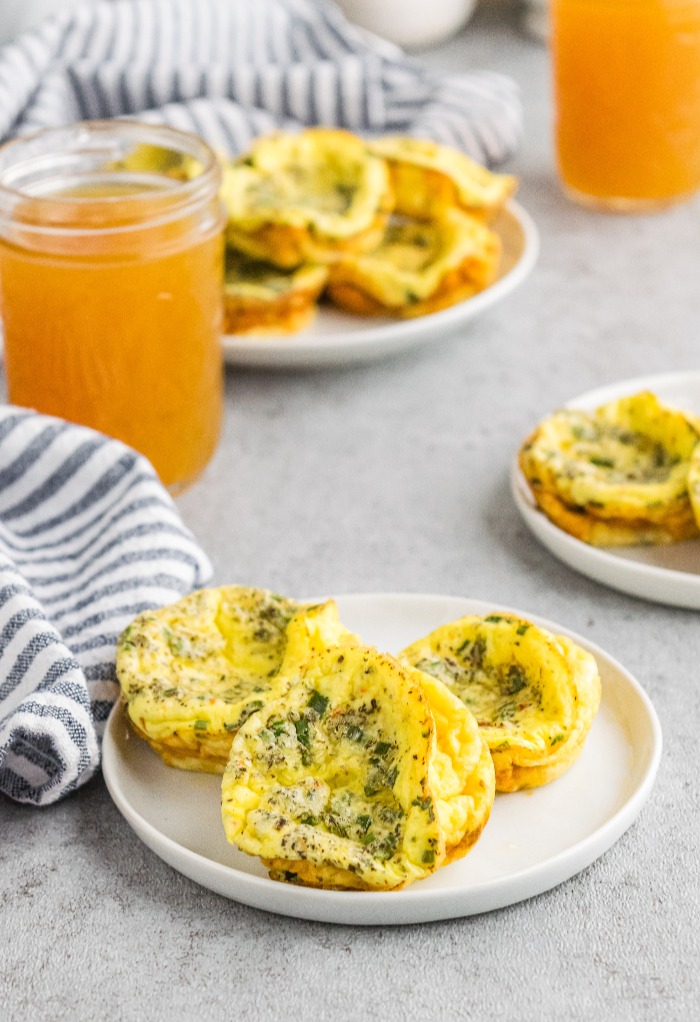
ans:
x=394 y=477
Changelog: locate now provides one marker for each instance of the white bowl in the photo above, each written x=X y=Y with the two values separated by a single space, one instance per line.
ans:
x=410 y=23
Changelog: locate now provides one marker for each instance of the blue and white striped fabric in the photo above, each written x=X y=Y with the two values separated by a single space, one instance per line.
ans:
x=232 y=69
x=88 y=539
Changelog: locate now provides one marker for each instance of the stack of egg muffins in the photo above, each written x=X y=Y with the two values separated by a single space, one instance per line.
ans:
x=345 y=767
x=394 y=227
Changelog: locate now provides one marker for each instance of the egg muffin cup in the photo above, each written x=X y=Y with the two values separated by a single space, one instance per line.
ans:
x=429 y=179
x=534 y=694
x=418 y=268
x=306 y=198
x=353 y=778
x=262 y=299
x=193 y=672
x=616 y=476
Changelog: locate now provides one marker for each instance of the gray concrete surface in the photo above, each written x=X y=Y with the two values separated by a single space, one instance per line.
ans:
x=394 y=477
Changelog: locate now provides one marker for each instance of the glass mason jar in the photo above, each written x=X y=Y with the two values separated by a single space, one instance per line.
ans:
x=627 y=100
x=111 y=264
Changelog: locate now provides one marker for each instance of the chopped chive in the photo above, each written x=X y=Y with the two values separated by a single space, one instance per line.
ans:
x=422 y=803
x=318 y=703
x=301 y=727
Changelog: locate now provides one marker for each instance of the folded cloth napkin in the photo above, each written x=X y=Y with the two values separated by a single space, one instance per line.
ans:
x=232 y=69
x=88 y=539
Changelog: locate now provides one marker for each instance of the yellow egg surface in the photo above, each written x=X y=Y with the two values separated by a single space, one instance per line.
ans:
x=617 y=475
x=419 y=267
x=306 y=197
x=340 y=783
x=312 y=632
x=145 y=157
x=193 y=672
x=461 y=774
x=429 y=178
x=534 y=694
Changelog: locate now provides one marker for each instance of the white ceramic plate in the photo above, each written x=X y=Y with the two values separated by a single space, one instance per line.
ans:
x=533 y=841
x=662 y=574
x=337 y=338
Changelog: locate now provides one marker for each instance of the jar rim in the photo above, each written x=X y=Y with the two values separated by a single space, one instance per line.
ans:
x=31 y=165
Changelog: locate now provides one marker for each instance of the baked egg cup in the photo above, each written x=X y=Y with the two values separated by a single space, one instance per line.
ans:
x=306 y=197
x=534 y=694
x=419 y=267
x=191 y=673
x=616 y=476
x=428 y=179
x=359 y=776
x=262 y=299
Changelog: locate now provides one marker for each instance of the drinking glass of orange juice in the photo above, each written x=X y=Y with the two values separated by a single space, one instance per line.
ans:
x=111 y=251
x=627 y=100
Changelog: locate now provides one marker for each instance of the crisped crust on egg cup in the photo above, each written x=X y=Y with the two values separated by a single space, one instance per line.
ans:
x=617 y=476
x=418 y=268
x=586 y=525
x=262 y=299
x=307 y=197
x=428 y=179
x=533 y=694
x=350 y=779
x=193 y=672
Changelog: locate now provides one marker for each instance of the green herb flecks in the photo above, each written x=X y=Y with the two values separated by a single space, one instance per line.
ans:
x=514 y=681
x=318 y=703
x=248 y=711
x=301 y=727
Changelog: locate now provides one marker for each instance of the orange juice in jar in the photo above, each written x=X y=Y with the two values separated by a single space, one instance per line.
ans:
x=111 y=258
x=627 y=100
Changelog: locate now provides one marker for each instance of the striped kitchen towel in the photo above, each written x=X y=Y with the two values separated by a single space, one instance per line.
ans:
x=88 y=539
x=229 y=70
